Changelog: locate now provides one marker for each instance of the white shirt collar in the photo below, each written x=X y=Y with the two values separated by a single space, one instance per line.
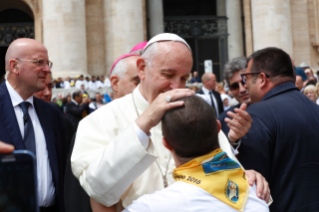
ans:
x=74 y=101
x=16 y=99
x=205 y=90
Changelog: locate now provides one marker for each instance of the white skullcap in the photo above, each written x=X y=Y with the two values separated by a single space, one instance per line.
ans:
x=166 y=37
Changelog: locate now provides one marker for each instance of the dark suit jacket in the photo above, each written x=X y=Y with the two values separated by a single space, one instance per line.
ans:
x=76 y=199
x=75 y=112
x=218 y=99
x=51 y=122
x=282 y=145
x=222 y=117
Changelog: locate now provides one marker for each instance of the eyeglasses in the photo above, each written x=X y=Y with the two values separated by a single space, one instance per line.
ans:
x=39 y=62
x=244 y=76
x=235 y=85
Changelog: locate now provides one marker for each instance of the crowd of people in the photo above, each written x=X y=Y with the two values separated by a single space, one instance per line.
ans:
x=158 y=146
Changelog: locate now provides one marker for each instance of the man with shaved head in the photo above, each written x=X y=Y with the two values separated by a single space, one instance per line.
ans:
x=31 y=124
x=118 y=153
x=209 y=84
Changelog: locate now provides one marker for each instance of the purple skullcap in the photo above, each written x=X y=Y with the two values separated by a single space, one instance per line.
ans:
x=120 y=58
x=139 y=46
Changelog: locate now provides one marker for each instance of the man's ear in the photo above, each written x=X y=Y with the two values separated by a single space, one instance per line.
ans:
x=140 y=63
x=167 y=146
x=219 y=125
x=114 y=82
x=263 y=80
x=14 y=67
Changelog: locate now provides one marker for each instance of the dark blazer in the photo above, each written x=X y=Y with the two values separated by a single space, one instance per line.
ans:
x=222 y=117
x=75 y=112
x=51 y=122
x=282 y=144
x=76 y=199
x=218 y=99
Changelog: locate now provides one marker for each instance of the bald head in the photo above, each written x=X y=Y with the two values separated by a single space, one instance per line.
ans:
x=19 y=49
x=27 y=63
x=209 y=81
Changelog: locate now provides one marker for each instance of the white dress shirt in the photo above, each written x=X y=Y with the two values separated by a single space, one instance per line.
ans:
x=79 y=82
x=206 y=92
x=93 y=85
x=107 y=82
x=67 y=85
x=46 y=187
x=184 y=197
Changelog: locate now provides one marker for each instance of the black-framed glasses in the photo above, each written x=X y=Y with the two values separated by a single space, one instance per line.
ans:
x=39 y=62
x=235 y=85
x=244 y=75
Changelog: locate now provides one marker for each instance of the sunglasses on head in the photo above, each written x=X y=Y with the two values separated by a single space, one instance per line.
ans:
x=235 y=85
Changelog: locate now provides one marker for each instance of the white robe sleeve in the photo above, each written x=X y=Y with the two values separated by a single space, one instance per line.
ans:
x=108 y=157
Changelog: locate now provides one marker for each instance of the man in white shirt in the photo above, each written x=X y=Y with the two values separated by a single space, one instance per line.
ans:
x=190 y=134
x=32 y=124
x=93 y=84
x=67 y=83
x=118 y=151
x=80 y=81
x=209 y=84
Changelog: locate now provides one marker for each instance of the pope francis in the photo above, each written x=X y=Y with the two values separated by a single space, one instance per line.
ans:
x=118 y=154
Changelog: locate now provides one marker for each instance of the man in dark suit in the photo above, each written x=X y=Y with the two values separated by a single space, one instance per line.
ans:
x=77 y=109
x=237 y=89
x=29 y=123
x=46 y=95
x=209 y=84
x=283 y=141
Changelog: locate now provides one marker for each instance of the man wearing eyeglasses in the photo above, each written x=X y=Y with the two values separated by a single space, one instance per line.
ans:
x=282 y=143
x=237 y=88
x=31 y=124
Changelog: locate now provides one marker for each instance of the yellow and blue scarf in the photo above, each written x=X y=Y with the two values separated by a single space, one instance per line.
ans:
x=219 y=175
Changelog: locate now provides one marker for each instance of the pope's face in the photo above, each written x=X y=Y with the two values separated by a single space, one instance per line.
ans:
x=169 y=69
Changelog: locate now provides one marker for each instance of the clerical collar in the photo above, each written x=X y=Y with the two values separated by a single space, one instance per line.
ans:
x=138 y=93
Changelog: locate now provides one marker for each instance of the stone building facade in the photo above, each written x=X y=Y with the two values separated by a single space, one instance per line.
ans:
x=86 y=36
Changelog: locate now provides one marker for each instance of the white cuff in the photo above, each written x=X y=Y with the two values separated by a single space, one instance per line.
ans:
x=142 y=137
x=235 y=150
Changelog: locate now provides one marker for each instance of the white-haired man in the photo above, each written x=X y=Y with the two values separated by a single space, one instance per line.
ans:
x=121 y=157
x=124 y=75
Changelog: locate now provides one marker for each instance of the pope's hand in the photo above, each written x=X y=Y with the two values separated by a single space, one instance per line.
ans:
x=163 y=102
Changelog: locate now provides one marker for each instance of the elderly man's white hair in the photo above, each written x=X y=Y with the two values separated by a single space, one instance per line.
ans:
x=120 y=68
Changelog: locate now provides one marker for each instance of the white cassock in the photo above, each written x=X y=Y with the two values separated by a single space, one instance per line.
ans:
x=109 y=159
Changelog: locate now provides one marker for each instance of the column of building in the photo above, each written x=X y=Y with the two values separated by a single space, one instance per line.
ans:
x=156 y=17
x=95 y=37
x=235 y=30
x=272 y=24
x=64 y=35
x=124 y=28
